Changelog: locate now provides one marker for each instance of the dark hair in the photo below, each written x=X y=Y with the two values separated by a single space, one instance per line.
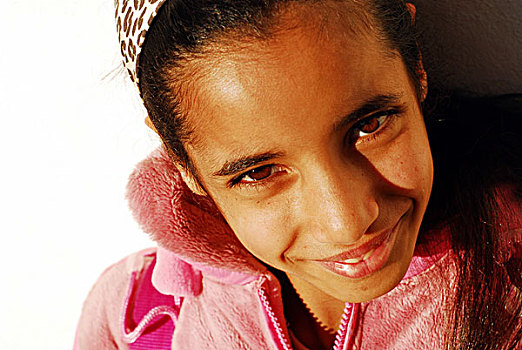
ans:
x=465 y=193
x=477 y=152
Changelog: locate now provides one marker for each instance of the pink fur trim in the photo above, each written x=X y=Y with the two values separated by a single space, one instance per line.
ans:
x=184 y=223
x=430 y=248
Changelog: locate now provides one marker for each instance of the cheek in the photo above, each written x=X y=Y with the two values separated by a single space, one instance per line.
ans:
x=264 y=231
x=407 y=164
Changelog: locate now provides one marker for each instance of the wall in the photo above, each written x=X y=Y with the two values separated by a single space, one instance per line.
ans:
x=474 y=45
x=69 y=138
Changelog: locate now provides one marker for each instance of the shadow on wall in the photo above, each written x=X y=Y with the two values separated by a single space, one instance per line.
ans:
x=472 y=45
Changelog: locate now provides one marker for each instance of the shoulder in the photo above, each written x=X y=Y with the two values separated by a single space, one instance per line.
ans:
x=99 y=324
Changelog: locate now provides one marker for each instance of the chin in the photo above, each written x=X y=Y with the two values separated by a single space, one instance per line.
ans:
x=383 y=280
x=376 y=285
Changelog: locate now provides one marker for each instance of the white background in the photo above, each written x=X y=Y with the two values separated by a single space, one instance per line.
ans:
x=69 y=138
x=68 y=141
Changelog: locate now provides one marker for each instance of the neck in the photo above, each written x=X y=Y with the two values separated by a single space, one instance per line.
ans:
x=314 y=317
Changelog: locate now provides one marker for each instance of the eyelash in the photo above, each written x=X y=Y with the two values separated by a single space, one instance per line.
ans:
x=236 y=182
x=389 y=116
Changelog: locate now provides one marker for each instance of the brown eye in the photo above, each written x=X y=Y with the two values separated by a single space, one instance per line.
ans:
x=260 y=173
x=370 y=126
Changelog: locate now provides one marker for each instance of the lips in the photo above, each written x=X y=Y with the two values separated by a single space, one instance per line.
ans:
x=362 y=251
x=365 y=259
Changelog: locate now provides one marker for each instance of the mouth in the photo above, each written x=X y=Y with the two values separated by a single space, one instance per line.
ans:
x=365 y=259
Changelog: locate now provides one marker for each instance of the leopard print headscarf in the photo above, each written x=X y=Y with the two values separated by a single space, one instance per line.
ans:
x=133 y=19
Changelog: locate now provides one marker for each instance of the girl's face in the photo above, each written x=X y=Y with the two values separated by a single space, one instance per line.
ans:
x=313 y=146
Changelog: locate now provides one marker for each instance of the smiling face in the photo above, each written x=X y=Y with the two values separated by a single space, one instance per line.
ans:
x=313 y=146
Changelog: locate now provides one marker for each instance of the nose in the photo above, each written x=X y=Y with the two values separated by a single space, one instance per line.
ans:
x=340 y=205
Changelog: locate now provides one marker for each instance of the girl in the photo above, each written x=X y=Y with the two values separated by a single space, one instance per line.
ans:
x=290 y=200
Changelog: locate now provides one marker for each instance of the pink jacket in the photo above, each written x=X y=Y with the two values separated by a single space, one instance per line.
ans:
x=230 y=300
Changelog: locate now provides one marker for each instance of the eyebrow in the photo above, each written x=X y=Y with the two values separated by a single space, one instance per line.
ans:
x=241 y=164
x=371 y=105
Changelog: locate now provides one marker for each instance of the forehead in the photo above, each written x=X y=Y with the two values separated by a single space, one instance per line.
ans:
x=311 y=68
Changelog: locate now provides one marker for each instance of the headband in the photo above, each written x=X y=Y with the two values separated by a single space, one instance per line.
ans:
x=133 y=19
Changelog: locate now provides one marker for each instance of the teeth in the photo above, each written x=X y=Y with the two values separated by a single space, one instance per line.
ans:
x=340 y=266
x=367 y=255
x=355 y=260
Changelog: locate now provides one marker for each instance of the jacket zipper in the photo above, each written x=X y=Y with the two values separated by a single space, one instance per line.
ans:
x=283 y=339
x=346 y=329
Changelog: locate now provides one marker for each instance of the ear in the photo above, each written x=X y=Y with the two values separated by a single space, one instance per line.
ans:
x=148 y=122
x=412 y=10
x=424 y=81
x=190 y=180
x=423 y=76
